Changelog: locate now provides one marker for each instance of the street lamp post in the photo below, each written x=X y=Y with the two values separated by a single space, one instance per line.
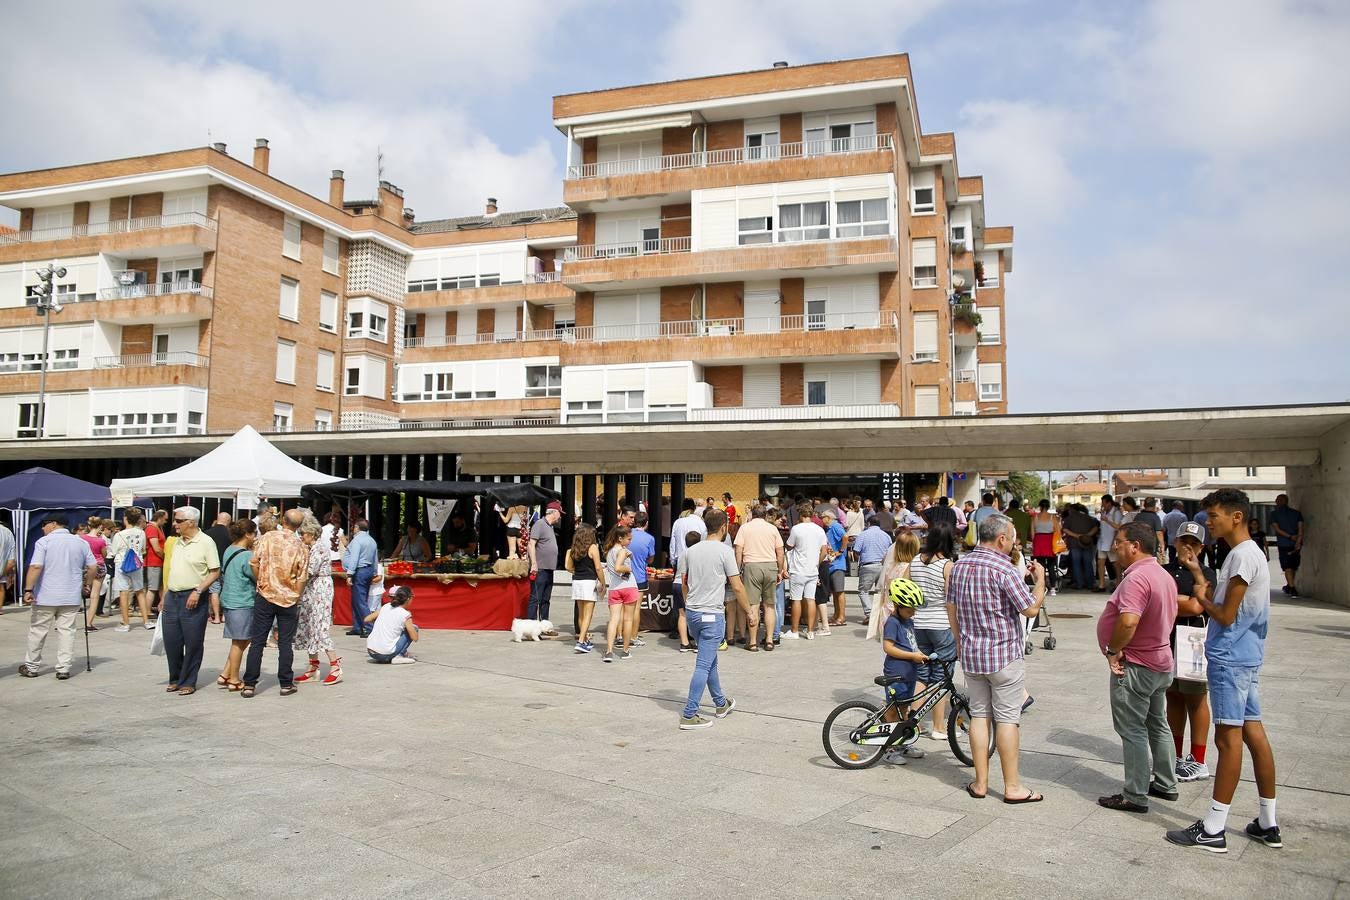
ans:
x=46 y=308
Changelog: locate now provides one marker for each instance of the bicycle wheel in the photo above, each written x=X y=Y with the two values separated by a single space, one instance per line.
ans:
x=958 y=730
x=839 y=724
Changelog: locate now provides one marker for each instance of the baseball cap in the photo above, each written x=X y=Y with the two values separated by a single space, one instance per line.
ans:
x=1191 y=529
x=554 y=505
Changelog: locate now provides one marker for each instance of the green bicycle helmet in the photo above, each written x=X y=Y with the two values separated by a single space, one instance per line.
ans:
x=906 y=593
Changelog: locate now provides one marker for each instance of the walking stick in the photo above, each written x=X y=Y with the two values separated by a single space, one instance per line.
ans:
x=84 y=624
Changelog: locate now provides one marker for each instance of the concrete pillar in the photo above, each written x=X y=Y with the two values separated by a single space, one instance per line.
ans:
x=966 y=489
x=654 y=514
x=610 y=514
x=632 y=490
x=588 y=499
x=1319 y=492
x=569 y=519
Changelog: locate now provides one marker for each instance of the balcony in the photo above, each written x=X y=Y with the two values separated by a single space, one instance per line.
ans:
x=165 y=304
x=650 y=263
x=488 y=345
x=189 y=231
x=795 y=413
x=680 y=173
x=541 y=287
x=140 y=360
x=126 y=371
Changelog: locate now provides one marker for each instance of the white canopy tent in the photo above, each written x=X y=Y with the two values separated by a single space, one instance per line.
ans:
x=243 y=468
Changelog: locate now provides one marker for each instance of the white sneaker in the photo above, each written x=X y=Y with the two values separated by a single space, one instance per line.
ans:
x=895 y=758
x=823 y=628
x=914 y=752
x=402 y=661
x=123 y=628
x=791 y=636
x=936 y=736
x=810 y=635
x=1054 y=592
x=149 y=626
x=1190 y=770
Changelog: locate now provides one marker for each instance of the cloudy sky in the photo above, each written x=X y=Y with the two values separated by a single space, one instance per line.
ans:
x=1168 y=165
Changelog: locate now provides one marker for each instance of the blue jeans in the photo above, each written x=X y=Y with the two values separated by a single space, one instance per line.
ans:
x=400 y=648
x=1082 y=566
x=707 y=636
x=361 y=597
x=540 y=593
x=929 y=641
x=778 y=610
x=1234 y=693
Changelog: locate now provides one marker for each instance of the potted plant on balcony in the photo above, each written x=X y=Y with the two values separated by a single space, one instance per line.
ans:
x=964 y=316
x=979 y=272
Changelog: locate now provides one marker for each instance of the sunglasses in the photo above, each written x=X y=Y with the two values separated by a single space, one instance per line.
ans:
x=180 y=521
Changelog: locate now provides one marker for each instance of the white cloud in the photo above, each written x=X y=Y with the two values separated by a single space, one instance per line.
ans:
x=1023 y=150
x=714 y=36
x=160 y=96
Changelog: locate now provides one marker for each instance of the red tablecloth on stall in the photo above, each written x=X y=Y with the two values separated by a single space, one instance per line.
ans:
x=462 y=604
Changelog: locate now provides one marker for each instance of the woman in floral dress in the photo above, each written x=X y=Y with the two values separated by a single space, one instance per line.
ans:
x=316 y=608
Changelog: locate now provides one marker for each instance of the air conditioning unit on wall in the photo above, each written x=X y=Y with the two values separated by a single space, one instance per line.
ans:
x=129 y=277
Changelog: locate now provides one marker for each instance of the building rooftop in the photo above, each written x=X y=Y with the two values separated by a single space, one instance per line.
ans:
x=498 y=220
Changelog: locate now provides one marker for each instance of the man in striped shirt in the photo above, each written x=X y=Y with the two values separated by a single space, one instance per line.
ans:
x=986 y=600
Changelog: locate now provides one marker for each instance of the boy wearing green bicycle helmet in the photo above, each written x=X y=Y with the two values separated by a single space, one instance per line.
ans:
x=902 y=654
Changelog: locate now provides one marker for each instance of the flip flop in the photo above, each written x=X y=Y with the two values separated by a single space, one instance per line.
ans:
x=187 y=691
x=1033 y=797
x=970 y=789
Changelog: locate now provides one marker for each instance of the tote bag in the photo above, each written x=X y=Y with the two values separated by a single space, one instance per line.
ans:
x=1191 y=664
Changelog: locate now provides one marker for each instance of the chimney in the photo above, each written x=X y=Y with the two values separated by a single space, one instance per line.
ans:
x=408 y=217
x=491 y=206
x=390 y=202
x=218 y=146
x=261 y=155
x=335 y=185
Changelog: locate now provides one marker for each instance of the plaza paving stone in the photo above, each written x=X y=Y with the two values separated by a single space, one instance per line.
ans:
x=493 y=769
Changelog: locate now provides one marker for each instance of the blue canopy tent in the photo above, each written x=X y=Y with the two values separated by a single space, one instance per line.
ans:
x=41 y=491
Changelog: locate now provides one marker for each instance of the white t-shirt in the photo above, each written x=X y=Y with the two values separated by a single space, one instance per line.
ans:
x=1110 y=521
x=804 y=543
x=388 y=629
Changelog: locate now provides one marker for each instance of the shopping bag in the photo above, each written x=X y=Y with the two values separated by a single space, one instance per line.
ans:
x=1059 y=546
x=876 y=621
x=157 y=639
x=972 y=533
x=1191 y=664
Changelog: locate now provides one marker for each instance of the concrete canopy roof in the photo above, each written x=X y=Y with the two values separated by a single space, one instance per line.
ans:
x=1283 y=435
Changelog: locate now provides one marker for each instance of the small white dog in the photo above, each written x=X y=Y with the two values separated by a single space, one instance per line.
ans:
x=521 y=629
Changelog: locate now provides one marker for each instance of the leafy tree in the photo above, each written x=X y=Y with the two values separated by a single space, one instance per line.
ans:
x=1026 y=485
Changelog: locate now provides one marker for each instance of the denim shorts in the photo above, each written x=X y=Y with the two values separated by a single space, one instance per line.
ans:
x=1234 y=693
x=901 y=690
x=930 y=641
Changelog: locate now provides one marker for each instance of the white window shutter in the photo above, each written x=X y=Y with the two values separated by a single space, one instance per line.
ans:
x=925 y=401
x=925 y=334
x=924 y=252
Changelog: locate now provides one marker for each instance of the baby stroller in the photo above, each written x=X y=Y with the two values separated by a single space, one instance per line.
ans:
x=1056 y=580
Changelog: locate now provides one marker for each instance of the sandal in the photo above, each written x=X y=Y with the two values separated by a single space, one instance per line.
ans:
x=248 y=691
x=235 y=687
x=222 y=681
x=187 y=691
x=288 y=690
x=753 y=648
x=173 y=688
x=768 y=645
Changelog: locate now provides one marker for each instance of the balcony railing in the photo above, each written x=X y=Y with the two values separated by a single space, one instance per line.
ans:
x=647 y=247
x=132 y=291
x=691 y=328
x=795 y=413
x=140 y=360
x=548 y=277
x=119 y=226
x=486 y=422
x=965 y=376
x=988 y=282
x=733 y=156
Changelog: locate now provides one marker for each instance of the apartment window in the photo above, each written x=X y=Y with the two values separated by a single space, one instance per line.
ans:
x=435 y=386
x=856 y=218
x=330 y=254
x=958 y=237
x=584 y=411
x=991 y=331
x=926 y=401
x=286 y=362
x=923 y=252
x=281 y=416
x=367 y=319
x=925 y=336
x=491 y=279
x=328 y=311
x=624 y=406
x=28 y=420
x=761 y=139
x=65 y=359
x=195 y=423
x=543 y=381
x=323 y=376
x=323 y=420
x=1251 y=471
x=423 y=285
x=803 y=222
x=62 y=293
x=290 y=238
x=457 y=283
x=815 y=315
x=290 y=300
x=841 y=137
x=991 y=381
x=565 y=328
x=164 y=423
x=181 y=277
x=352 y=386
x=755 y=230
x=1212 y=473
x=815 y=393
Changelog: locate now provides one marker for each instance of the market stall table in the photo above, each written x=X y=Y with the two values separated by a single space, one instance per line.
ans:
x=450 y=601
x=658 y=607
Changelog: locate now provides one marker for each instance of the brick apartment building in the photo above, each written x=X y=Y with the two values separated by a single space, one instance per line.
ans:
x=777 y=243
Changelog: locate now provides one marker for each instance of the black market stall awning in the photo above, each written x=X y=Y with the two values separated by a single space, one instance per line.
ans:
x=507 y=493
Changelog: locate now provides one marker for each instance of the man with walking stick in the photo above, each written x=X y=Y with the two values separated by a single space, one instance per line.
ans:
x=62 y=568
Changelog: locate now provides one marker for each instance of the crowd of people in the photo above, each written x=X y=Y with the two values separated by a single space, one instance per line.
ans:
x=937 y=585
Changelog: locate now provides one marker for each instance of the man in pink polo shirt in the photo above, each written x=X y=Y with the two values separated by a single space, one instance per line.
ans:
x=1134 y=633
